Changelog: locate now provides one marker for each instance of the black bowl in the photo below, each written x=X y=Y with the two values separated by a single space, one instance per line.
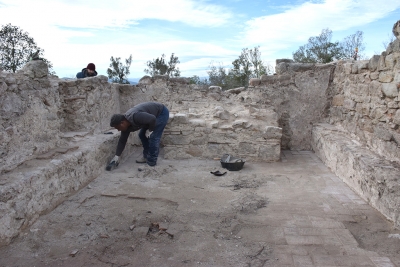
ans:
x=231 y=163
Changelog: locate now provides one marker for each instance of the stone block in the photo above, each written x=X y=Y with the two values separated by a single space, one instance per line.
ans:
x=270 y=152
x=215 y=89
x=382 y=133
x=300 y=67
x=35 y=69
x=347 y=68
x=145 y=80
x=3 y=87
x=176 y=140
x=197 y=122
x=286 y=60
x=349 y=104
x=375 y=89
x=272 y=132
x=180 y=118
x=373 y=62
x=386 y=76
x=390 y=90
x=241 y=124
x=280 y=68
x=248 y=148
x=338 y=100
x=254 y=82
x=354 y=69
x=381 y=63
x=221 y=113
x=396 y=118
x=390 y=61
x=179 y=80
x=374 y=75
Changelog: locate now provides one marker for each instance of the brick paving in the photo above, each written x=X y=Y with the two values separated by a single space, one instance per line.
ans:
x=316 y=204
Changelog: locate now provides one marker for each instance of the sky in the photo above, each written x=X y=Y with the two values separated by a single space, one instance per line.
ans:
x=74 y=33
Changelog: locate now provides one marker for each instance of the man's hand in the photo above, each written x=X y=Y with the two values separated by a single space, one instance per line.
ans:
x=148 y=133
x=116 y=160
x=113 y=163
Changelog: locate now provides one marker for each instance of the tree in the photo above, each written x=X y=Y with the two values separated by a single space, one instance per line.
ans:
x=160 y=67
x=248 y=65
x=353 y=46
x=17 y=48
x=117 y=72
x=390 y=39
x=319 y=49
x=217 y=75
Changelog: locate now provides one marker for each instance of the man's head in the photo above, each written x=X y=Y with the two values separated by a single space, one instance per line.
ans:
x=119 y=122
x=91 y=69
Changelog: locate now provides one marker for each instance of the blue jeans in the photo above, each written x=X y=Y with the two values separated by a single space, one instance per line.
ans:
x=151 y=146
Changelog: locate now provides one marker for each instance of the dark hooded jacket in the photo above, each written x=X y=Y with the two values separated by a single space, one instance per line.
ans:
x=84 y=74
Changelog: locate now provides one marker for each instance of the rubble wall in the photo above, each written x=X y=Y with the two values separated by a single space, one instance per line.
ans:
x=300 y=95
x=52 y=141
x=206 y=122
x=361 y=142
x=36 y=111
x=366 y=101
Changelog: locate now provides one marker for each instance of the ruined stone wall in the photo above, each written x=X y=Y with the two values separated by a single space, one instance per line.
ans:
x=52 y=141
x=29 y=114
x=361 y=143
x=86 y=104
x=208 y=122
x=299 y=93
x=366 y=101
x=36 y=111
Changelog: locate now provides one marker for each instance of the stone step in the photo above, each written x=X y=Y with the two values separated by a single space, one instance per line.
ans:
x=40 y=184
x=374 y=178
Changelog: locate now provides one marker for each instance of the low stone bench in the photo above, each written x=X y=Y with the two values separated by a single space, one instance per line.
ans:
x=374 y=178
x=39 y=185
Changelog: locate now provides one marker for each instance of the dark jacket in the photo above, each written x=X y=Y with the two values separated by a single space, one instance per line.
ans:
x=143 y=115
x=84 y=74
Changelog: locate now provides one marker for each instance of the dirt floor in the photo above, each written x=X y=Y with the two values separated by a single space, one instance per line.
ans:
x=290 y=213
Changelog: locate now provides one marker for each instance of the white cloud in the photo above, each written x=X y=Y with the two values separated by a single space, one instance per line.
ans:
x=74 y=33
x=110 y=14
x=298 y=23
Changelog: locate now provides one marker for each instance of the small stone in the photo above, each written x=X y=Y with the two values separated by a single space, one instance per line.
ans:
x=132 y=227
x=163 y=226
x=73 y=253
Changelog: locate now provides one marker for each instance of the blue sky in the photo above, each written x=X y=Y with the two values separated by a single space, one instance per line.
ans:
x=74 y=33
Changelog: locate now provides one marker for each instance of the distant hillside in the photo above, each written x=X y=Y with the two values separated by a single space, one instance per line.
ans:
x=133 y=80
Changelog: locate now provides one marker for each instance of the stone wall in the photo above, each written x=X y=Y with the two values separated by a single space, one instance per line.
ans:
x=300 y=94
x=52 y=141
x=209 y=122
x=361 y=143
x=366 y=101
x=29 y=121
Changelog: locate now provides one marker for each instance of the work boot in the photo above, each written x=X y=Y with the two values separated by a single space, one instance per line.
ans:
x=141 y=160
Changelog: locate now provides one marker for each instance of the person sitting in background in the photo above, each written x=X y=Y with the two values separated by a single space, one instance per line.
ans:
x=89 y=71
